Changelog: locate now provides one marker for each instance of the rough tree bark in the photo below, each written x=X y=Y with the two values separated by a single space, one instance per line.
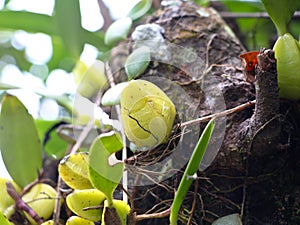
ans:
x=254 y=173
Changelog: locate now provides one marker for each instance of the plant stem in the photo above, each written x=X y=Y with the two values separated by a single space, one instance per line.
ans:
x=20 y=204
x=219 y=114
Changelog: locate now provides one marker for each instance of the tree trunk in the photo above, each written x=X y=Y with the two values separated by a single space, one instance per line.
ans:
x=254 y=173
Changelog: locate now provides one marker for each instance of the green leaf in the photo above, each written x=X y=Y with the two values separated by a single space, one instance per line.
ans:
x=19 y=142
x=4 y=86
x=255 y=30
x=28 y=21
x=103 y=175
x=117 y=31
x=281 y=12
x=65 y=25
x=140 y=9
x=232 y=219
x=191 y=169
x=137 y=62
x=68 y=18
x=112 y=96
x=3 y=220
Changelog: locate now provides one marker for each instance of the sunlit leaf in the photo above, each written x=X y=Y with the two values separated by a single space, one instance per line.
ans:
x=103 y=175
x=137 y=62
x=79 y=200
x=112 y=96
x=117 y=31
x=19 y=142
x=281 y=12
x=73 y=169
x=140 y=9
x=3 y=220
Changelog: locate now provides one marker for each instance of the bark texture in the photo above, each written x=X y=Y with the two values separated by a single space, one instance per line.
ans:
x=254 y=173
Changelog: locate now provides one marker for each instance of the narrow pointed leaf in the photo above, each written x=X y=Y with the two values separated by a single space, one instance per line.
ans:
x=19 y=142
x=191 y=169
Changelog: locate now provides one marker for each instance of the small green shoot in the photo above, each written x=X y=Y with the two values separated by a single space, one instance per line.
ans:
x=191 y=169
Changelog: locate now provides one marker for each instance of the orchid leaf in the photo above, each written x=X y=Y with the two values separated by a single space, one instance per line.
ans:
x=281 y=12
x=105 y=175
x=20 y=145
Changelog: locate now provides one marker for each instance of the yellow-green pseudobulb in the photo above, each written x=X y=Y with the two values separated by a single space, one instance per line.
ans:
x=287 y=54
x=147 y=114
